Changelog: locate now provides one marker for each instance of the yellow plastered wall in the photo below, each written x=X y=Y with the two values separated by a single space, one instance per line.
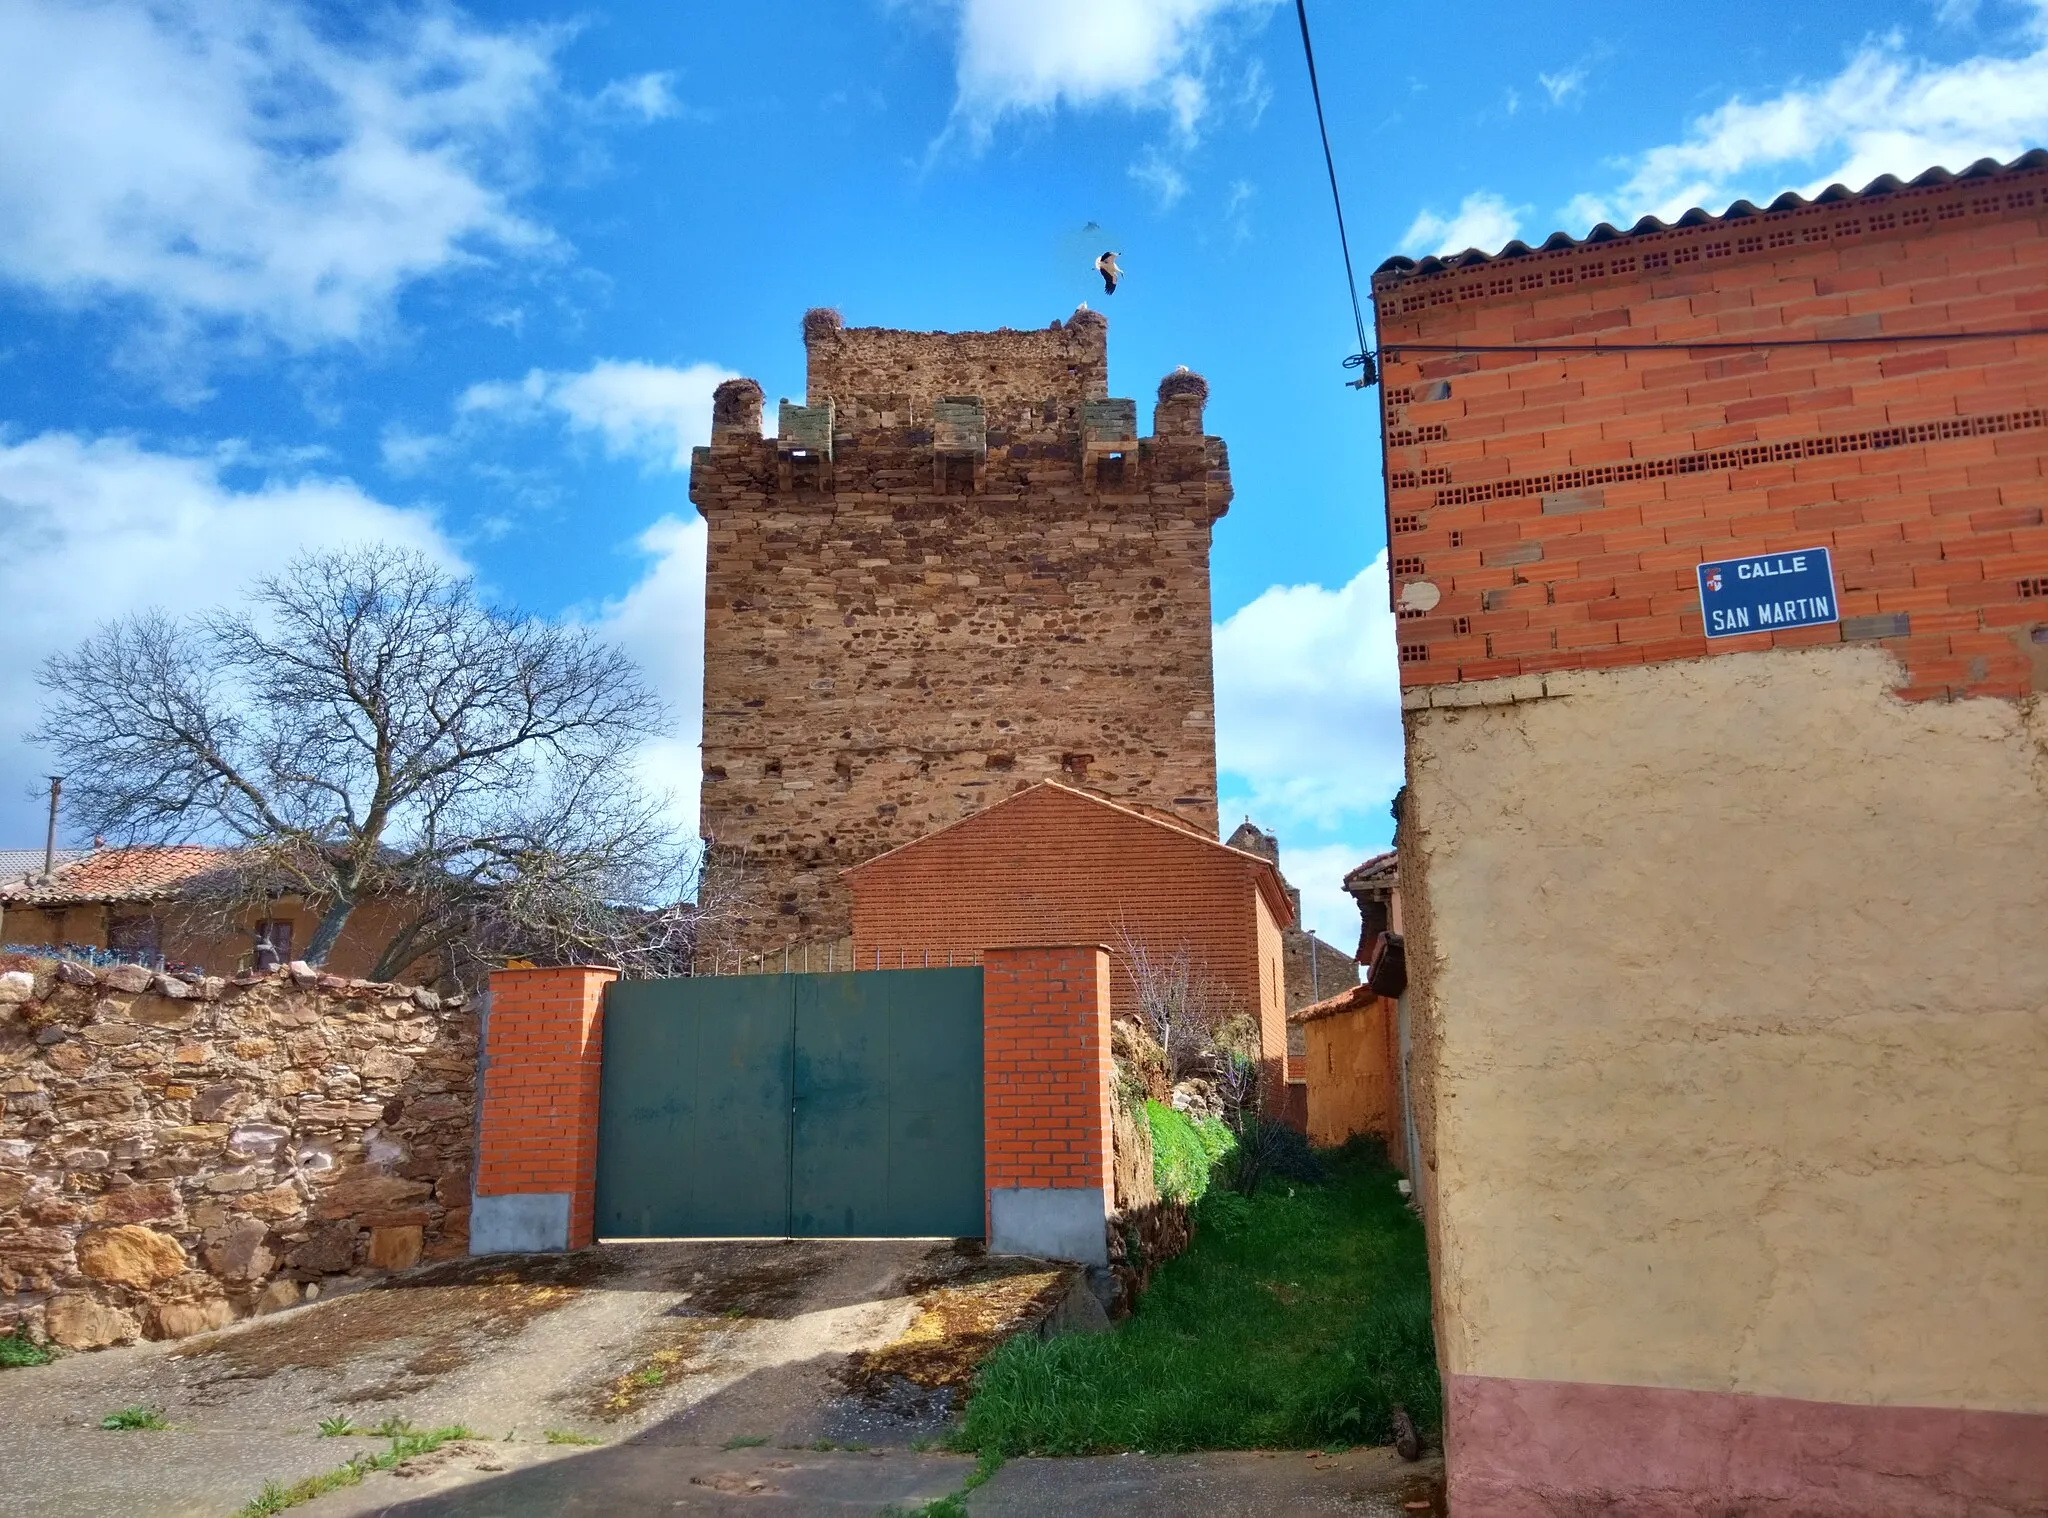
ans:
x=1731 y=979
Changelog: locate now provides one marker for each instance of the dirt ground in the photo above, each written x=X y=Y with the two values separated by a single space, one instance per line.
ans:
x=768 y=1376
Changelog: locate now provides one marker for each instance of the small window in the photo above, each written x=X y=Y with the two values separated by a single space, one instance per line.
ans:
x=277 y=932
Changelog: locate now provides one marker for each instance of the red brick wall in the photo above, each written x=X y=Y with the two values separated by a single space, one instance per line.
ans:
x=1046 y=1066
x=1052 y=866
x=537 y=1129
x=1560 y=504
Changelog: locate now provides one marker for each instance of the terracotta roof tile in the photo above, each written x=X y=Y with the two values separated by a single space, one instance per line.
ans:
x=1353 y=999
x=124 y=874
x=1381 y=872
x=1396 y=269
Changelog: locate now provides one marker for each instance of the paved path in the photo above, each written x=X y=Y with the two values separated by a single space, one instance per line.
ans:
x=708 y=1373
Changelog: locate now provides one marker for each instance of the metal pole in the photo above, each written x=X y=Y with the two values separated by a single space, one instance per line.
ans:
x=50 y=842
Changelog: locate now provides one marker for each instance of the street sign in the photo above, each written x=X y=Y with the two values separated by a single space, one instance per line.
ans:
x=1768 y=592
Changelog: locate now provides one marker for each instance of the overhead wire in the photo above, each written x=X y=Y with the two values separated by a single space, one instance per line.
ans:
x=1363 y=358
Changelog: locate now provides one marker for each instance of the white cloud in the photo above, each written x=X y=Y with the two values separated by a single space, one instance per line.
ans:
x=1308 y=700
x=1026 y=56
x=231 y=166
x=93 y=528
x=1564 y=84
x=1318 y=872
x=1160 y=177
x=1886 y=112
x=660 y=622
x=652 y=412
x=1483 y=220
x=646 y=97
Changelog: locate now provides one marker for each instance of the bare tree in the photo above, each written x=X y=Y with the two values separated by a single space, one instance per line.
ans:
x=1180 y=1003
x=367 y=729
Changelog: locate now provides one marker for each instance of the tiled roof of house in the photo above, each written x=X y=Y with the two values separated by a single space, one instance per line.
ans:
x=1352 y=999
x=1396 y=269
x=1379 y=873
x=139 y=873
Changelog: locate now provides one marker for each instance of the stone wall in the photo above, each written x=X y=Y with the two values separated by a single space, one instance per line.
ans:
x=176 y=1155
x=897 y=636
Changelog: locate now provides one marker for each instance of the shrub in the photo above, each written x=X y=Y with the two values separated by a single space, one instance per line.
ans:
x=1269 y=1150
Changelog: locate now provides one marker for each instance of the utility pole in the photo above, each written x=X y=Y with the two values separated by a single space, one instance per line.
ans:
x=50 y=841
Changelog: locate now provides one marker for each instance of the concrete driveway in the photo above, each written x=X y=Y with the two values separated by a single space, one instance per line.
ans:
x=756 y=1376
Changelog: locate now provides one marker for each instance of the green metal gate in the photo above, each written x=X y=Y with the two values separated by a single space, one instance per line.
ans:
x=804 y=1106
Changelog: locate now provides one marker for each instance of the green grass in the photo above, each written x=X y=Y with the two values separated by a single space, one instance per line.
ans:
x=1186 y=1152
x=135 y=1417
x=953 y=1504
x=1299 y=1318
x=569 y=1436
x=18 y=1349
x=337 y=1427
x=745 y=1441
x=276 y=1496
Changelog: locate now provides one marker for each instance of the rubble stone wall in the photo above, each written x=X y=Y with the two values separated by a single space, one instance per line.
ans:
x=175 y=1155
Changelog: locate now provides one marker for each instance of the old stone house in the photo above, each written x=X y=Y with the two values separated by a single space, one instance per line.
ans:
x=132 y=902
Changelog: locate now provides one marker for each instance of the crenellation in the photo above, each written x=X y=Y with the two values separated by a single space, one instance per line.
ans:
x=912 y=627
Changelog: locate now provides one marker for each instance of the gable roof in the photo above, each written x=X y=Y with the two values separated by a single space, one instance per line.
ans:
x=144 y=872
x=1382 y=872
x=1396 y=269
x=1264 y=872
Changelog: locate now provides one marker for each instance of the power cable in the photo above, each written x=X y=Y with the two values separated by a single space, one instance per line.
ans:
x=1363 y=359
x=1724 y=344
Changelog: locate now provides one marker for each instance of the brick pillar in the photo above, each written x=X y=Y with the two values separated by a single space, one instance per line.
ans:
x=536 y=1156
x=1046 y=1096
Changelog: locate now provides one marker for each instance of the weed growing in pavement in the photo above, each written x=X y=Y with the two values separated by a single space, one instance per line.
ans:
x=337 y=1427
x=392 y=1427
x=569 y=1436
x=18 y=1349
x=135 y=1417
x=1298 y=1318
x=745 y=1441
x=276 y=1497
x=953 y=1504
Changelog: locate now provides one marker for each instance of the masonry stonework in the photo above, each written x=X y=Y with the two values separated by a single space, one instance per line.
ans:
x=1729 y=997
x=957 y=569
x=178 y=1154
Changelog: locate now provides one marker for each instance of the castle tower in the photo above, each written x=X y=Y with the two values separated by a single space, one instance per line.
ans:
x=958 y=569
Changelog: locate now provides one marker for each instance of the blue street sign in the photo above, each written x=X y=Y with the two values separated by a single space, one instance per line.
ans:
x=1768 y=593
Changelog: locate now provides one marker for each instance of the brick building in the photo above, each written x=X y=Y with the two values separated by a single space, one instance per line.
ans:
x=958 y=568
x=1052 y=864
x=1730 y=992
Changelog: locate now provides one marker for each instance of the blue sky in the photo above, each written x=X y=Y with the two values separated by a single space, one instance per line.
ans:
x=274 y=276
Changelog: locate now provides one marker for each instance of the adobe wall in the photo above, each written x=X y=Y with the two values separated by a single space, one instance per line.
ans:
x=1728 y=992
x=1352 y=1065
x=896 y=637
x=176 y=1155
x=1735 y=1001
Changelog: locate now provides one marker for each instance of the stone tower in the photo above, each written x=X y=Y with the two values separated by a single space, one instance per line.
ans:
x=956 y=570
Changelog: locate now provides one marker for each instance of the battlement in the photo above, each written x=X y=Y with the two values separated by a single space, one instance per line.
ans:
x=1001 y=414
x=1031 y=383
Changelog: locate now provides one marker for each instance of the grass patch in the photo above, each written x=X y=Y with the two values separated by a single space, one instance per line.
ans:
x=953 y=1504
x=570 y=1436
x=338 y=1427
x=276 y=1496
x=1186 y=1151
x=1299 y=1318
x=18 y=1349
x=745 y=1441
x=135 y=1417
